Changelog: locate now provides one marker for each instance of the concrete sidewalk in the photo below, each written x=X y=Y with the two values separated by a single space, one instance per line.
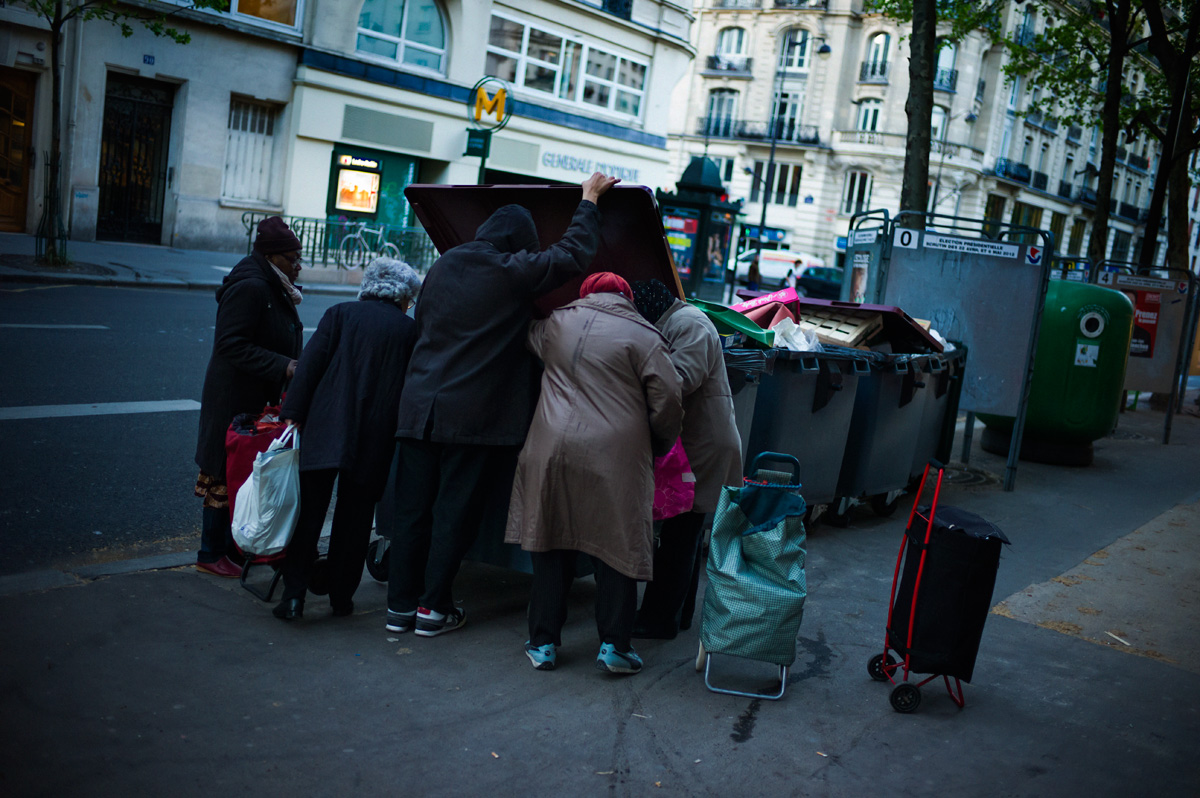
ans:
x=172 y=682
x=148 y=266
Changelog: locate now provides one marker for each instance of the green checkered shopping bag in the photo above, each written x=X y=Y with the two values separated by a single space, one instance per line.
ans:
x=756 y=588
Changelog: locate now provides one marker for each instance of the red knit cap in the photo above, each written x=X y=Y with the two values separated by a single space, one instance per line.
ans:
x=606 y=282
x=274 y=236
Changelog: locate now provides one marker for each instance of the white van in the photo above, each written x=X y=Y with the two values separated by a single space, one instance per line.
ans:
x=777 y=267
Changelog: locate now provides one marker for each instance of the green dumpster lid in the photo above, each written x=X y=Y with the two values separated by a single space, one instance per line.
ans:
x=726 y=320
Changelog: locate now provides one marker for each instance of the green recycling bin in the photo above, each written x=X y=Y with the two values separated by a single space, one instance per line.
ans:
x=1078 y=376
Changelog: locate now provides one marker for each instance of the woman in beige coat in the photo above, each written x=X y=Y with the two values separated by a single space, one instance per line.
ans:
x=585 y=479
x=713 y=446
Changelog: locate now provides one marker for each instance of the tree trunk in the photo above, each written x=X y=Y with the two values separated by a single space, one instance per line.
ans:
x=51 y=236
x=914 y=192
x=1179 y=184
x=1110 y=122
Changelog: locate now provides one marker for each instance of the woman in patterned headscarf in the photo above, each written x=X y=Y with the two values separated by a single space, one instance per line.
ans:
x=585 y=478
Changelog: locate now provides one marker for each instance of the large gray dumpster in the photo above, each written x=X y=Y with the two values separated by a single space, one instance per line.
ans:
x=745 y=369
x=804 y=408
x=942 y=375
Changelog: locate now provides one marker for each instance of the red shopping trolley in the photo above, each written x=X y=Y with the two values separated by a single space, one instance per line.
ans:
x=941 y=594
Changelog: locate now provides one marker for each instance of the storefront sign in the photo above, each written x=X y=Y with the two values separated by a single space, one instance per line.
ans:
x=362 y=163
x=586 y=165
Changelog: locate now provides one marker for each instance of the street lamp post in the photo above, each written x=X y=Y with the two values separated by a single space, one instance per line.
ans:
x=790 y=43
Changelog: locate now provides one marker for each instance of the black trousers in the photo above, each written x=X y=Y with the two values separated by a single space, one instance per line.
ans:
x=673 y=589
x=348 y=538
x=553 y=573
x=216 y=535
x=442 y=493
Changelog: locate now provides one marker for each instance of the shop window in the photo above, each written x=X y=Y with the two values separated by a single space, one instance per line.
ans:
x=411 y=32
x=1075 y=246
x=1058 y=227
x=250 y=152
x=534 y=58
x=856 y=192
x=993 y=213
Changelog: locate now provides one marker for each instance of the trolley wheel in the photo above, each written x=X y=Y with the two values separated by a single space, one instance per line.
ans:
x=378 y=571
x=701 y=655
x=905 y=697
x=882 y=507
x=877 y=669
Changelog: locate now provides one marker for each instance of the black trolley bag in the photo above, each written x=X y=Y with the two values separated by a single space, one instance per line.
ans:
x=941 y=595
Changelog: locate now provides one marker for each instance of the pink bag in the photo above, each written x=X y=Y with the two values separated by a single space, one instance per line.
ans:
x=674 y=483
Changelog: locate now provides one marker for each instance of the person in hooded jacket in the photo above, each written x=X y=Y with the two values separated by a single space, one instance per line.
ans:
x=257 y=340
x=468 y=398
x=710 y=440
x=610 y=401
x=344 y=398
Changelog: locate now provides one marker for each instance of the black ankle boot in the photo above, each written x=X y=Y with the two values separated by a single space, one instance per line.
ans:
x=289 y=609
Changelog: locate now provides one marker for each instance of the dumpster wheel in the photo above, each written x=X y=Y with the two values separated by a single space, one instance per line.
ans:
x=377 y=570
x=884 y=504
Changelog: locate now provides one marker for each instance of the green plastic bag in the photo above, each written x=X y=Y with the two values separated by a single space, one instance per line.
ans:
x=756 y=586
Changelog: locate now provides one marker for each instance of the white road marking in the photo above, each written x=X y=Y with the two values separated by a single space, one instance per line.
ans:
x=101 y=409
x=55 y=326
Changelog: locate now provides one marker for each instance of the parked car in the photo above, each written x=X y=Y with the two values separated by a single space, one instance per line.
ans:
x=820 y=282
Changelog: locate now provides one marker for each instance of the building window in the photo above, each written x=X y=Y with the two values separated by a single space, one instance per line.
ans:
x=409 y=31
x=789 y=106
x=722 y=112
x=937 y=124
x=793 y=52
x=724 y=167
x=993 y=212
x=576 y=72
x=868 y=115
x=283 y=13
x=731 y=41
x=782 y=182
x=856 y=193
x=1026 y=215
x=249 y=151
x=1076 y=244
x=1058 y=227
x=1120 y=246
x=878 y=52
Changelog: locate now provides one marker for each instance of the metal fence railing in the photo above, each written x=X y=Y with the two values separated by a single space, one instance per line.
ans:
x=321 y=240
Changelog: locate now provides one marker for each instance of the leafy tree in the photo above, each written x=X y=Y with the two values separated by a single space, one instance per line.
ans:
x=955 y=19
x=57 y=13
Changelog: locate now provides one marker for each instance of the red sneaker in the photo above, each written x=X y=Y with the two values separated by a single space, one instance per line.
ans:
x=222 y=567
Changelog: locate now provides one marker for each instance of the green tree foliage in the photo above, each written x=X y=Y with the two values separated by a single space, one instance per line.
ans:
x=57 y=13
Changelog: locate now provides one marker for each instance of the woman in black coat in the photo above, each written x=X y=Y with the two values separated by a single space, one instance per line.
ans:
x=257 y=340
x=345 y=396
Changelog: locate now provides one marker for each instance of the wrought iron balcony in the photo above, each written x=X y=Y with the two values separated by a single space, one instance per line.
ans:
x=1064 y=189
x=801 y=3
x=786 y=131
x=1013 y=170
x=1138 y=162
x=1121 y=153
x=1129 y=211
x=1040 y=180
x=873 y=72
x=727 y=64
x=737 y=3
x=945 y=80
x=1086 y=195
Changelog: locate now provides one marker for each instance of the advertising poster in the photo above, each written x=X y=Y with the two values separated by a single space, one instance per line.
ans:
x=681 y=238
x=1146 y=305
x=357 y=191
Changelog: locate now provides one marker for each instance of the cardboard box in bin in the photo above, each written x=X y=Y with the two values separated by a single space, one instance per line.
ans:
x=633 y=242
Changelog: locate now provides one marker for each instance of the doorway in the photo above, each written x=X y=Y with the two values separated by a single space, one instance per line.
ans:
x=16 y=142
x=133 y=159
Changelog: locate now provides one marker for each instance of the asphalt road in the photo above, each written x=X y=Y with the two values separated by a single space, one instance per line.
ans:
x=98 y=487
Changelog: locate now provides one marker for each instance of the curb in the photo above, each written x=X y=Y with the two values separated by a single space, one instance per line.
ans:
x=184 y=285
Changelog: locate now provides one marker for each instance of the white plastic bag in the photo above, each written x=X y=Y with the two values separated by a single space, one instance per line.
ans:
x=268 y=503
x=789 y=335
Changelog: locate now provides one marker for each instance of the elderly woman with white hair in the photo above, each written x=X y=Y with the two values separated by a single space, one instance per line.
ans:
x=345 y=397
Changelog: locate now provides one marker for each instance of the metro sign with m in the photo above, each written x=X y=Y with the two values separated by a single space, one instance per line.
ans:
x=490 y=104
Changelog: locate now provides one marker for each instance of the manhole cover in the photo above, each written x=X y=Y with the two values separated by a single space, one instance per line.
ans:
x=964 y=476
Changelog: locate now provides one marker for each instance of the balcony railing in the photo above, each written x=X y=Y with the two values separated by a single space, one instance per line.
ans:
x=945 y=80
x=1121 y=153
x=1013 y=170
x=1138 y=162
x=1040 y=180
x=801 y=3
x=1064 y=189
x=786 y=131
x=736 y=64
x=896 y=142
x=873 y=72
x=737 y=3
x=1086 y=195
x=1129 y=211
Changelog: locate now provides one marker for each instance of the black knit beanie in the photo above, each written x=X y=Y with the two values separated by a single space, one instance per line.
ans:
x=274 y=236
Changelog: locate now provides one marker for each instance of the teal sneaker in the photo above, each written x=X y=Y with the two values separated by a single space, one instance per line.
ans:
x=613 y=661
x=542 y=657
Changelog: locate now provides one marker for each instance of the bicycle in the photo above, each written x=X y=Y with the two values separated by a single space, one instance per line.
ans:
x=354 y=252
